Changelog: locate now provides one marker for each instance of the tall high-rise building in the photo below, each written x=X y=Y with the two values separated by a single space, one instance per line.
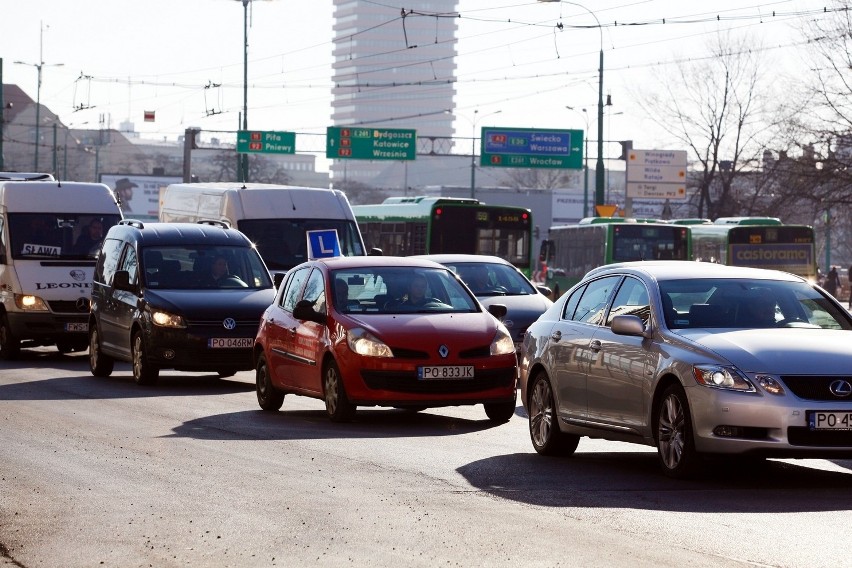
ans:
x=394 y=67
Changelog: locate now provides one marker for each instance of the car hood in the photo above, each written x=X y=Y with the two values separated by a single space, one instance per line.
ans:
x=427 y=332
x=780 y=351
x=212 y=304
x=521 y=311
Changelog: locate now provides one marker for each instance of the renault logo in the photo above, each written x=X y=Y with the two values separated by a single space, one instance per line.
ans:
x=229 y=323
x=443 y=351
x=840 y=388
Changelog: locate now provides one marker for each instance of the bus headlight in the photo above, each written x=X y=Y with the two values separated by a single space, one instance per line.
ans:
x=30 y=303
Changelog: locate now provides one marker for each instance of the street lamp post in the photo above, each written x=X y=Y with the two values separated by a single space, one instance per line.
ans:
x=38 y=67
x=585 y=162
x=599 y=167
x=473 y=150
x=243 y=173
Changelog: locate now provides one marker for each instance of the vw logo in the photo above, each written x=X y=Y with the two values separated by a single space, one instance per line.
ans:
x=78 y=275
x=443 y=351
x=229 y=323
x=82 y=304
x=840 y=388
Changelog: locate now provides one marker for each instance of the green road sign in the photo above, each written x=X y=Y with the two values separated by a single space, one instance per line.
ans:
x=356 y=143
x=259 y=142
x=531 y=148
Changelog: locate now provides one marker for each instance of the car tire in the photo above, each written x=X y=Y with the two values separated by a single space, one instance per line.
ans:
x=100 y=364
x=268 y=397
x=10 y=346
x=675 y=443
x=500 y=412
x=144 y=373
x=547 y=438
x=71 y=346
x=337 y=404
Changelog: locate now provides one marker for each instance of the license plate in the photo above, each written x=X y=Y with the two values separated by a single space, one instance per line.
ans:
x=442 y=372
x=77 y=327
x=830 y=420
x=230 y=342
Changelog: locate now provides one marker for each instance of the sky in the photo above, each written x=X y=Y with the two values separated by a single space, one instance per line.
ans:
x=110 y=61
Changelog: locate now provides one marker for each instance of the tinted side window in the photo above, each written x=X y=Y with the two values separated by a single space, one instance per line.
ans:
x=315 y=291
x=631 y=299
x=130 y=263
x=571 y=304
x=590 y=309
x=108 y=261
x=293 y=288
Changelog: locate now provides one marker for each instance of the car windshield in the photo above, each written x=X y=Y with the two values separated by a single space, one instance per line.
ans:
x=729 y=303
x=383 y=290
x=492 y=279
x=58 y=236
x=199 y=266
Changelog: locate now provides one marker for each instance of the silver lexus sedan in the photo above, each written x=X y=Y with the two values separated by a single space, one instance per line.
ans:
x=695 y=359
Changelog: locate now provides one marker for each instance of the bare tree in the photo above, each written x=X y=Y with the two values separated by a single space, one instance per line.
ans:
x=531 y=178
x=716 y=108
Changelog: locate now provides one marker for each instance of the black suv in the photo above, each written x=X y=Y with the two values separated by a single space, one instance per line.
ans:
x=176 y=296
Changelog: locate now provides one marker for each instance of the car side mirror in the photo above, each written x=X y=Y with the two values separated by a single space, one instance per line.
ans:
x=545 y=290
x=629 y=325
x=278 y=278
x=376 y=252
x=499 y=311
x=121 y=281
x=304 y=310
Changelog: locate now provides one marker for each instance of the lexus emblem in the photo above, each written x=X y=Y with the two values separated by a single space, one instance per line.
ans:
x=229 y=323
x=840 y=388
x=443 y=351
x=82 y=304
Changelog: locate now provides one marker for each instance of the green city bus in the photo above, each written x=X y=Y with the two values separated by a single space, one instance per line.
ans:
x=403 y=226
x=759 y=242
x=570 y=251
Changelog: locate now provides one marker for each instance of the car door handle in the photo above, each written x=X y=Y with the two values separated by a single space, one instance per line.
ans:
x=595 y=345
x=556 y=335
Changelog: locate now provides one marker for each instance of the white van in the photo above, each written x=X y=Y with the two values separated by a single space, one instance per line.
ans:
x=50 y=234
x=274 y=217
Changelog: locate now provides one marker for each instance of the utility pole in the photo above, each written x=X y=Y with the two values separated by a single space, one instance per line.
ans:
x=38 y=67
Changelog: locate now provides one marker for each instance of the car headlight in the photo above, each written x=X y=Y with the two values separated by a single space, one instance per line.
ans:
x=717 y=376
x=165 y=319
x=770 y=384
x=365 y=343
x=30 y=303
x=502 y=343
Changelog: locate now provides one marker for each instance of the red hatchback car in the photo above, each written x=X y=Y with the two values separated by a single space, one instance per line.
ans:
x=383 y=331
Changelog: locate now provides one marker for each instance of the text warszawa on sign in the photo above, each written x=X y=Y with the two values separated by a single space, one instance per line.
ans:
x=656 y=174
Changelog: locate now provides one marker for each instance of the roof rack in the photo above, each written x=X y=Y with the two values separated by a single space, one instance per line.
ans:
x=132 y=223
x=215 y=223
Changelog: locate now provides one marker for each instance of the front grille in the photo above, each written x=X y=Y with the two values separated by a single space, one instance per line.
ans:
x=409 y=383
x=476 y=352
x=408 y=353
x=68 y=307
x=250 y=323
x=813 y=387
x=803 y=436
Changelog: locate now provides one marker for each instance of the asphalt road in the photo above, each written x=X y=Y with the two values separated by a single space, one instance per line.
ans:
x=101 y=472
